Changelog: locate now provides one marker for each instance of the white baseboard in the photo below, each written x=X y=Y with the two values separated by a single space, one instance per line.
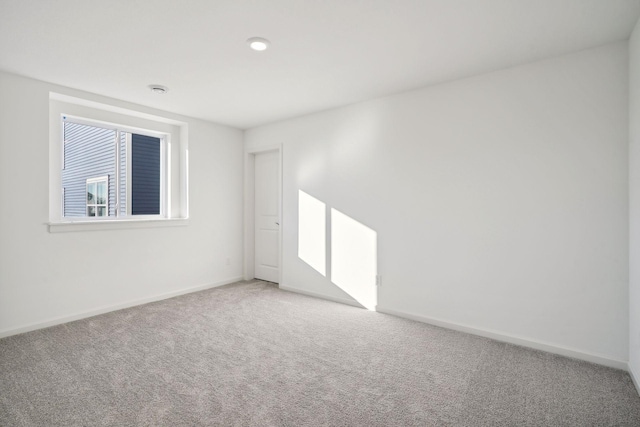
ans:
x=321 y=296
x=634 y=378
x=512 y=339
x=498 y=336
x=106 y=309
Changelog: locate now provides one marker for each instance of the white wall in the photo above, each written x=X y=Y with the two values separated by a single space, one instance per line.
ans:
x=499 y=201
x=634 y=202
x=47 y=276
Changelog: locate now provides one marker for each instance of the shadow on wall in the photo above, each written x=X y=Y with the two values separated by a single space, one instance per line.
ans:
x=354 y=252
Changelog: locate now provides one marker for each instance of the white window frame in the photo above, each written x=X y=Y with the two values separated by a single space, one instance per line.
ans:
x=165 y=144
x=174 y=209
x=97 y=180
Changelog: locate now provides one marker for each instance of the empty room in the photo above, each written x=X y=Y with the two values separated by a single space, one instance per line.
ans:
x=319 y=213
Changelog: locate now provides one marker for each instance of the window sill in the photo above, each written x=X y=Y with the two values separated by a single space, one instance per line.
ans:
x=119 y=224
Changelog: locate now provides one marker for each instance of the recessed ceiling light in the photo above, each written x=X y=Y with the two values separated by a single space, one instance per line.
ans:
x=158 y=89
x=258 y=43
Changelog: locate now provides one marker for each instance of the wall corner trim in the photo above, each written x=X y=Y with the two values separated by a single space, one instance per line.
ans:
x=634 y=379
x=114 y=307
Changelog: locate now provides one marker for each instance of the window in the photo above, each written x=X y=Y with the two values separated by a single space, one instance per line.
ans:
x=97 y=200
x=139 y=161
x=111 y=171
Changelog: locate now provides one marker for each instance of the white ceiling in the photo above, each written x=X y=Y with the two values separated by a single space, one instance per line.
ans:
x=324 y=53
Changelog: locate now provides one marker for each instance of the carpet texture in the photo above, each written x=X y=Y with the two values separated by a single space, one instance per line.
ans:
x=249 y=354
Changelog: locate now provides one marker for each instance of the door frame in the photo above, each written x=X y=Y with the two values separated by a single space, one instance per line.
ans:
x=249 y=209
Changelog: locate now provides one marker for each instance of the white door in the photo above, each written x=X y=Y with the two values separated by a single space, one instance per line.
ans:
x=267 y=203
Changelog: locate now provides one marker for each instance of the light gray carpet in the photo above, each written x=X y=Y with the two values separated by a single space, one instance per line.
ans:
x=249 y=354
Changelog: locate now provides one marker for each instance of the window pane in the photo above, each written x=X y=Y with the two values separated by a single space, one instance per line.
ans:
x=101 y=193
x=91 y=193
x=91 y=211
x=145 y=175
x=89 y=152
x=102 y=211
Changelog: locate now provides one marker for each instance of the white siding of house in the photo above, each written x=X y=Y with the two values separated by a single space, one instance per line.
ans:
x=123 y=173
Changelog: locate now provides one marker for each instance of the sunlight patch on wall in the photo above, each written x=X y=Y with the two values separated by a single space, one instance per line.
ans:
x=354 y=258
x=312 y=231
